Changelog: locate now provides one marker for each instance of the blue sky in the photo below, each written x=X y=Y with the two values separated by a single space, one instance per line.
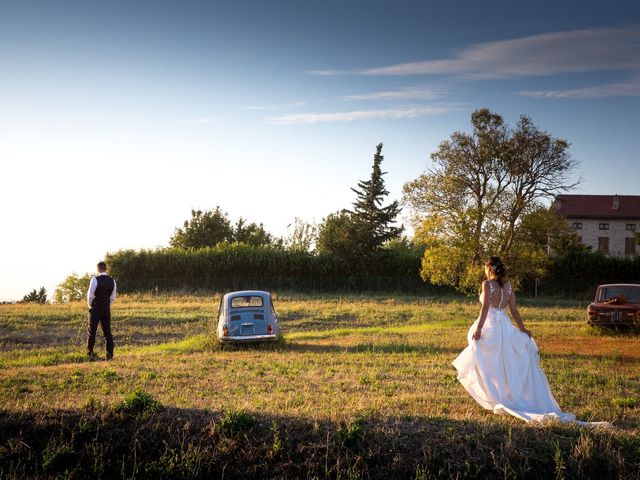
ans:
x=117 y=118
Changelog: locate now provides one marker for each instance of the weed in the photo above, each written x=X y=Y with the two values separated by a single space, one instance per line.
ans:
x=351 y=434
x=625 y=402
x=58 y=455
x=138 y=401
x=236 y=421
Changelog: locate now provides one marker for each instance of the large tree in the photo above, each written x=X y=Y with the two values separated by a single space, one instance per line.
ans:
x=211 y=227
x=374 y=224
x=251 y=233
x=204 y=229
x=471 y=201
x=368 y=225
x=73 y=288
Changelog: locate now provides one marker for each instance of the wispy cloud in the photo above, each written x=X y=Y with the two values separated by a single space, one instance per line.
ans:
x=537 y=55
x=630 y=88
x=326 y=73
x=277 y=106
x=406 y=93
x=407 y=112
x=201 y=121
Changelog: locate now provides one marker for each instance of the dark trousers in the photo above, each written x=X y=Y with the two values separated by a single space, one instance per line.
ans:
x=100 y=314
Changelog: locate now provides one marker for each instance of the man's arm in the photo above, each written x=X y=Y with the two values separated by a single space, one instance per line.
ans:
x=91 y=293
x=113 y=294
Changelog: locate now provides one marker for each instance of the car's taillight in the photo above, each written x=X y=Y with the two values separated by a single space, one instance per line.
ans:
x=269 y=329
x=225 y=331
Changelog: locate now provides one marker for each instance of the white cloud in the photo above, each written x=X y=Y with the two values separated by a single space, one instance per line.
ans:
x=630 y=88
x=537 y=55
x=407 y=93
x=325 y=73
x=407 y=112
x=277 y=106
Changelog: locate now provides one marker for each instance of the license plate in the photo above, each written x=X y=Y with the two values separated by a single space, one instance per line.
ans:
x=247 y=329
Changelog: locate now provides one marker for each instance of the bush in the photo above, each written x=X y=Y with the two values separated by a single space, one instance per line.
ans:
x=577 y=274
x=238 y=266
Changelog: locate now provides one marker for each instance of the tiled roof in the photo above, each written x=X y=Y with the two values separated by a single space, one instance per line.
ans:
x=598 y=206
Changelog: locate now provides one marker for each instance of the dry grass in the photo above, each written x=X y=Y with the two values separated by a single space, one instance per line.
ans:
x=344 y=359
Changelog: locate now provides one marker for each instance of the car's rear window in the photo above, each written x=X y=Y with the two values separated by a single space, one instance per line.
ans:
x=629 y=294
x=245 y=302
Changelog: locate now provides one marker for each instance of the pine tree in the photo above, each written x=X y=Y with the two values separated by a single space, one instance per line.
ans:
x=374 y=223
x=36 y=296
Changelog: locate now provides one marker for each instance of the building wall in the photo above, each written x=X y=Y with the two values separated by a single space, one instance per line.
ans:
x=590 y=232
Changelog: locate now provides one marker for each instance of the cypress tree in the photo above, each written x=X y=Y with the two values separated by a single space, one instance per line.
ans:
x=372 y=221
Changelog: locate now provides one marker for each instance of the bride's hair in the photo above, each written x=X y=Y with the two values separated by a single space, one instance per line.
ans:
x=497 y=268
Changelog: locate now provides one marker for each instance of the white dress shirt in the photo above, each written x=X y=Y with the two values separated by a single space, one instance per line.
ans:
x=91 y=294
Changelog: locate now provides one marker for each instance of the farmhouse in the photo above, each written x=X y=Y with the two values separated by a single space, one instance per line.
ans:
x=606 y=223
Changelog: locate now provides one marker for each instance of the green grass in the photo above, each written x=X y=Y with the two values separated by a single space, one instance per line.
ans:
x=355 y=370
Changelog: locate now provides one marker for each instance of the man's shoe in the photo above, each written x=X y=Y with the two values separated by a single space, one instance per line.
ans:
x=92 y=356
x=108 y=357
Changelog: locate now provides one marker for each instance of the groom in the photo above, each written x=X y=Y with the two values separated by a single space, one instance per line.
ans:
x=102 y=291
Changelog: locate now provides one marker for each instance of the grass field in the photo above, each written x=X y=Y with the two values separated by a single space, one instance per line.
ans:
x=362 y=387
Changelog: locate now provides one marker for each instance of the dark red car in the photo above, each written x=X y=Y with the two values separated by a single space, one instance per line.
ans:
x=616 y=304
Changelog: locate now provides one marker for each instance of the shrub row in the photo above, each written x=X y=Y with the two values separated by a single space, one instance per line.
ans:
x=240 y=266
x=577 y=275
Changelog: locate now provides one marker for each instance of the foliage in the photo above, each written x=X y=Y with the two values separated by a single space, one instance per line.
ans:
x=361 y=231
x=471 y=203
x=211 y=227
x=373 y=222
x=578 y=273
x=303 y=236
x=338 y=235
x=237 y=266
x=139 y=401
x=236 y=421
x=405 y=245
x=36 y=296
x=204 y=229
x=72 y=289
x=250 y=233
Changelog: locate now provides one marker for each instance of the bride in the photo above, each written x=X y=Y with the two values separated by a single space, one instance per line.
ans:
x=499 y=368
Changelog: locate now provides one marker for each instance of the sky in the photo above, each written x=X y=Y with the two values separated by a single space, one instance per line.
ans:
x=117 y=118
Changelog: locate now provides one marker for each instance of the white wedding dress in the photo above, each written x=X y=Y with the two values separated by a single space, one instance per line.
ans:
x=501 y=371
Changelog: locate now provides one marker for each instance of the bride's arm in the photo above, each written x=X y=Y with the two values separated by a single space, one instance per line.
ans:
x=486 y=302
x=515 y=313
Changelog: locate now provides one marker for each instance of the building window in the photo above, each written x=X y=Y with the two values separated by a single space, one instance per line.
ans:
x=577 y=225
x=630 y=246
x=603 y=244
x=631 y=227
x=604 y=226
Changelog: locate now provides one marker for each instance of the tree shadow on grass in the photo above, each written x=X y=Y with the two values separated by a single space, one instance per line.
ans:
x=143 y=440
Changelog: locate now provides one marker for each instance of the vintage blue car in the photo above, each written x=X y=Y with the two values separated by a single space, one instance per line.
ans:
x=247 y=316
